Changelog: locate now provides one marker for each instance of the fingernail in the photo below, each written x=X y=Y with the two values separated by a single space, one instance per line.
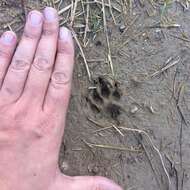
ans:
x=49 y=13
x=35 y=18
x=64 y=34
x=7 y=38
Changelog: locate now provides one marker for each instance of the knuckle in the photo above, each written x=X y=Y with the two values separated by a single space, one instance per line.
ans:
x=50 y=29
x=41 y=64
x=47 y=32
x=5 y=54
x=60 y=78
x=9 y=90
x=30 y=35
x=20 y=65
x=66 y=48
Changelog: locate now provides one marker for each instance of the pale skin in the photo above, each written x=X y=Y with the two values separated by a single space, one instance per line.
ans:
x=35 y=81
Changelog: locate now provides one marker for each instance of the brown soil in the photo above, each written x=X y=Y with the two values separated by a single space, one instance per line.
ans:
x=136 y=97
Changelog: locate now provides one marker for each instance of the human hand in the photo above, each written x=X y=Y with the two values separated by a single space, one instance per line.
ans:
x=35 y=83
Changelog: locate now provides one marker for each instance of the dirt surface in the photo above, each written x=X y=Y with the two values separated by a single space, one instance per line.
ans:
x=150 y=91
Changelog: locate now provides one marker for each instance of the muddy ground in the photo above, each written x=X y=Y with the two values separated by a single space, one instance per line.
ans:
x=150 y=91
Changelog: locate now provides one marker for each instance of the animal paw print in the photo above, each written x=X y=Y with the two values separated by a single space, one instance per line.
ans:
x=104 y=97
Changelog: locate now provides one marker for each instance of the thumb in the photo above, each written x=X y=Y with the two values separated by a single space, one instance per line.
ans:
x=85 y=183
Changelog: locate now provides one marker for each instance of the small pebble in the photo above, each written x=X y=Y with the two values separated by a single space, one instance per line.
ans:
x=64 y=166
x=93 y=168
x=134 y=109
x=158 y=34
x=122 y=28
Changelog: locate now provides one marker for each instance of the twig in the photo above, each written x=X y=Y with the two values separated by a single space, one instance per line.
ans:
x=66 y=19
x=151 y=164
x=53 y=3
x=60 y=3
x=174 y=85
x=117 y=129
x=107 y=39
x=171 y=64
x=159 y=155
x=182 y=180
x=180 y=91
x=9 y=27
x=180 y=144
x=113 y=147
x=73 y=11
x=103 y=129
x=19 y=28
x=111 y=12
x=104 y=16
x=95 y=60
x=86 y=26
x=82 y=4
x=178 y=106
x=183 y=121
x=167 y=26
x=180 y=38
x=95 y=122
x=173 y=168
x=112 y=126
x=82 y=53
x=64 y=9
